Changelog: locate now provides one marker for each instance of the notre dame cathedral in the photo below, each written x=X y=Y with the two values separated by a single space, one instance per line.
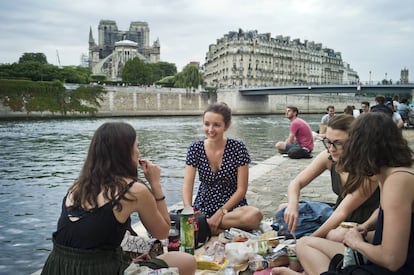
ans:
x=116 y=47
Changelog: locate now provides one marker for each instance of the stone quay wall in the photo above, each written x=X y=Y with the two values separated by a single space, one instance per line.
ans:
x=139 y=101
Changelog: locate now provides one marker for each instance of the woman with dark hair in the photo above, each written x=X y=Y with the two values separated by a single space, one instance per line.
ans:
x=223 y=169
x=96 y=210
x=375 y=150
x=351 y=206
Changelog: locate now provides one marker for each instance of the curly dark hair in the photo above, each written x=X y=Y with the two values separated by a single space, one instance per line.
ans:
x=374 y=142
x=109 y=160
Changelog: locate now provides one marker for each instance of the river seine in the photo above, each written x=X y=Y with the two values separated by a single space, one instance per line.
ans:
x=39 y=159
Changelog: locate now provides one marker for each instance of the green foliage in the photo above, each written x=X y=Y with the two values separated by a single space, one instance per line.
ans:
x=167 y=81
x=75 y=74
x=34 y=66
x=33 y=57
x=163 y=69
x=190 y=77
x=138 y=72
x=29 y=96
x=98 y=78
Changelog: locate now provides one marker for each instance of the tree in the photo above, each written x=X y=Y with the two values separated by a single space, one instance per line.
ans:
x=137 y=71
x=35 y=57
x=20 y=95
x=167 y=81
x=190 y=77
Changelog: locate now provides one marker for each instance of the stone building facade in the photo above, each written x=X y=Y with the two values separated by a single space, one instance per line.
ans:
x=116 y=47
x=250 y=59
x=404 y=76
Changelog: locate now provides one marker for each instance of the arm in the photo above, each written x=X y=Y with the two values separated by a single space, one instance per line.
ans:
x=188 y=186
x=369 y=225
x=290 y=139
x=348 y=205
x=150 y=203
x=317 y=167
x=242 y=184
x=400 y=123
x=396 y=199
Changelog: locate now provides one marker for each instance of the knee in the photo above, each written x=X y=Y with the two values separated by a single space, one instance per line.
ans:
x=302 y=245
x=336 y=235
x=186 y=263
x=253 y=216
x=189 y=264
x=279 y=145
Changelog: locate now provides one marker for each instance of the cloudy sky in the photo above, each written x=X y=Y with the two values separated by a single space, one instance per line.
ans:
x=372 y=35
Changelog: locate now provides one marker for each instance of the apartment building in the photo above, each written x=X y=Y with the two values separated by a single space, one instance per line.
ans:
x=250 y=59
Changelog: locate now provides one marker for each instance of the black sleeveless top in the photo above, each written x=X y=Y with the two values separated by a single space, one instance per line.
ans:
x=408 y=267
x=95 y=229
x=364 y=211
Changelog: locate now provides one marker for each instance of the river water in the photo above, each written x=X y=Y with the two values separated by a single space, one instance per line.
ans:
x=39 y=159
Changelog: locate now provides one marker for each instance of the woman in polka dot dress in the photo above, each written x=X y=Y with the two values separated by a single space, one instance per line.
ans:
x=223 y=170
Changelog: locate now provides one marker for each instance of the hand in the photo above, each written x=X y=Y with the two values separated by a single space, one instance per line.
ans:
x=291 y=217
x=362 y=229
x=352 y=238
x=215 y=221
x=152 y=172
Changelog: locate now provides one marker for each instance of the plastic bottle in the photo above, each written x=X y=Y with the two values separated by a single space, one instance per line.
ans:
x=173 y=238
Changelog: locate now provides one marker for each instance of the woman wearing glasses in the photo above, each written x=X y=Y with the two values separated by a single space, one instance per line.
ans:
x=353 y=207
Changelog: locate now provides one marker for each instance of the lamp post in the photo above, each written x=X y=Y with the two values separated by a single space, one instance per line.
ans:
x=386 y=81
x=369 y=78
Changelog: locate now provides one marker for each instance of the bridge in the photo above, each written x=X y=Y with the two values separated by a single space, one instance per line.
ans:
x=321 y=89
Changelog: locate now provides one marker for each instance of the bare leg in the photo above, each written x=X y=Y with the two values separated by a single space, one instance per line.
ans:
x=281 y=146
x=185 y=262
x=284 y=271
x=244 y=217
x=315 y=253
x=337 y=234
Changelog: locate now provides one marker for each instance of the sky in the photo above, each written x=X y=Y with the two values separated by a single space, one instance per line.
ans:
x=376 y=37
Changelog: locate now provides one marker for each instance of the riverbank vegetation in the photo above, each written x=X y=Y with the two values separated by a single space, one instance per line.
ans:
x=49 y=96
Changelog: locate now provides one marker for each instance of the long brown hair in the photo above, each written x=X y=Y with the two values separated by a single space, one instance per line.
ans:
x=109 y=160
x=374 y=142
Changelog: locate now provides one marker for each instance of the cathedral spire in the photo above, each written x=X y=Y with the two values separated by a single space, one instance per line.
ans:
x=91 y=40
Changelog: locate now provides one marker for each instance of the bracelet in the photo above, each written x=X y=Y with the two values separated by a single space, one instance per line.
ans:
x=160 y=199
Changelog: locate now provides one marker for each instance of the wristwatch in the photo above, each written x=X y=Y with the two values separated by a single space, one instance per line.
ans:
x=224 y=210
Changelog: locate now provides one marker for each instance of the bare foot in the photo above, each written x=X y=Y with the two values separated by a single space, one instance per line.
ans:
x=283 y=271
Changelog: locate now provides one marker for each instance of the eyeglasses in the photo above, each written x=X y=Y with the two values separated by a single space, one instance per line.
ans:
x=337 y=144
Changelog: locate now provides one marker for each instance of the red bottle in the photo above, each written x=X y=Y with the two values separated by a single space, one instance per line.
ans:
x=173 y=238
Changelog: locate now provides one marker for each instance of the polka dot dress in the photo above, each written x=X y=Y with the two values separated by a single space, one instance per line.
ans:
x=216 y=188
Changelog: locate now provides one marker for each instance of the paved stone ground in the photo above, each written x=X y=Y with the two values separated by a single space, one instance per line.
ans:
x=269 y=180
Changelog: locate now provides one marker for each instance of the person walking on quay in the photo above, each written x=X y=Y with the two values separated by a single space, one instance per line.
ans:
x=299 y=143
x=325 y=119
x=223 y=169
x=376 y=150
x=355 y=206
x=97 y=208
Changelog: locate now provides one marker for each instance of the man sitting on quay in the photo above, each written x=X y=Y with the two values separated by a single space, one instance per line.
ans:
x=299 y=143
x=330 y=113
